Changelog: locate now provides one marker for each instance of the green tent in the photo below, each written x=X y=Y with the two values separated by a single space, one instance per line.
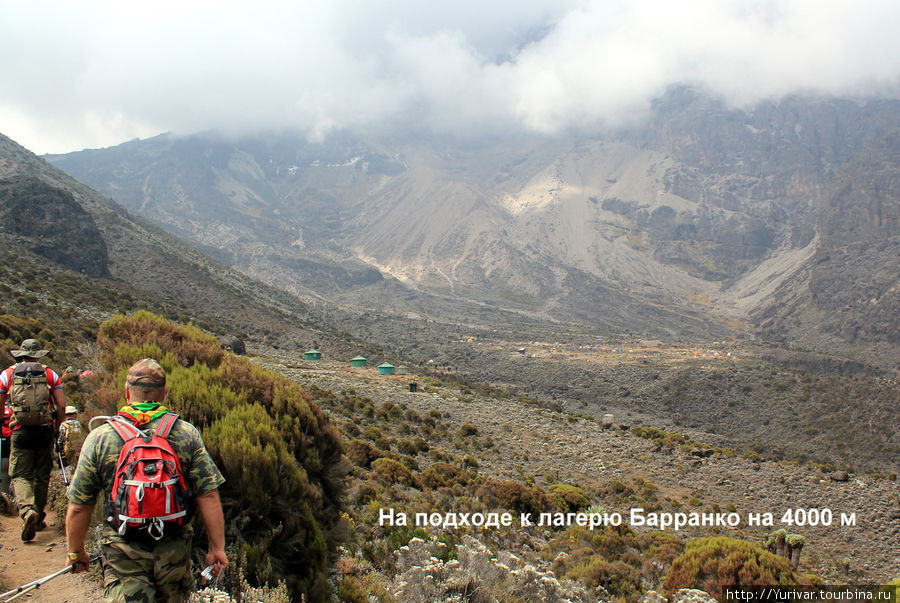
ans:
x=386 y=369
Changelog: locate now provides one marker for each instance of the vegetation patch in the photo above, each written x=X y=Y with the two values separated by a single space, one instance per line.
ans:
x=711 y=563
x=281 y=456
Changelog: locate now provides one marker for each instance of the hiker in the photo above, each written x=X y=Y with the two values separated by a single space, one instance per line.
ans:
x=69 y=431
x=87 y=380
x=146 y=549
x=35 y=394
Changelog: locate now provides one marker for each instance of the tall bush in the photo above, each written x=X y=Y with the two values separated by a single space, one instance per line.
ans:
x=711 y=563
x=281 y=457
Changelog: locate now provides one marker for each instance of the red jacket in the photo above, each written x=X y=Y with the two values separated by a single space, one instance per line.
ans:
x=7 y=413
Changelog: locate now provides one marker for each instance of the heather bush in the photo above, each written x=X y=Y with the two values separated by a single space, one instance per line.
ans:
x=513 y=495
x=280 y=455
x=187 y=342
x=617 y=577
x=569 y=498
x=412 y=446
x=468 y=429
x=14 y=329
x=442 y=475
x=710 y=563
x=389 y=471
x=663 y=549
x=362 y=453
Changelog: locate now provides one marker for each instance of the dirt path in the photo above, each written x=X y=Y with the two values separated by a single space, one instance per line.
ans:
x=22 y=562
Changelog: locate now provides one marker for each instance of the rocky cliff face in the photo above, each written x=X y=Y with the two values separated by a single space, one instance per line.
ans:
x=703 y=222
x=48 y=221
x=46 y=212
x=852 y=289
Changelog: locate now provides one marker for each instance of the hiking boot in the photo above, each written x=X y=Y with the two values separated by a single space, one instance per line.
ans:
x=42 y=525
x=29 y=525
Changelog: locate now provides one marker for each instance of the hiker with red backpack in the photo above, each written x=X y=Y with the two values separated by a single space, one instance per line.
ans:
x=34 y=392
x=155 y=471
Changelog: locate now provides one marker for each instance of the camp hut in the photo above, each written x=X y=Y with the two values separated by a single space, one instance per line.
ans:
x=358 y=361
x=402 y=370
x=312 y=355
x=386 y=368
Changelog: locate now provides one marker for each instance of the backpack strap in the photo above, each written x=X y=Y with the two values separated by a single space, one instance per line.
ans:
x=127 y=430
x=165 y=425
x=124 y=428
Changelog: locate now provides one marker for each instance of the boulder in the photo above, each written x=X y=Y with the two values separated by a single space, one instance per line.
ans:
x=233 y=344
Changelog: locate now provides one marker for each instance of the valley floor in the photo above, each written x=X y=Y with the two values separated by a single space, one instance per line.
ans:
x=556 y=447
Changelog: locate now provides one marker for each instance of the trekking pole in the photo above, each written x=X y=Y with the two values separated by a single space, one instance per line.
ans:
x=25 y=588
x=62 y=467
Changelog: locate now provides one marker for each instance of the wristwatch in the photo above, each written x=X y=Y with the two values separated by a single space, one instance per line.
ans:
x=75 y=556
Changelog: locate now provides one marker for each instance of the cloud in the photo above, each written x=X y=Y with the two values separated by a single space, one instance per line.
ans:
x=99 y=72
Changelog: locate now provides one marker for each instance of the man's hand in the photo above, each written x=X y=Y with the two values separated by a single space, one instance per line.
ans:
x=79 y=564
x=217 y=559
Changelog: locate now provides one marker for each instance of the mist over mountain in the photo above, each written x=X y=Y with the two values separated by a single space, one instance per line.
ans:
x=703 y=221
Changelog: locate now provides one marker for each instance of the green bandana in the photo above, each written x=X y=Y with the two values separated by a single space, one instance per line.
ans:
x=142 y=413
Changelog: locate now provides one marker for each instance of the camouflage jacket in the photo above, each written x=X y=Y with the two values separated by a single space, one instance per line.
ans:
x=100 y=454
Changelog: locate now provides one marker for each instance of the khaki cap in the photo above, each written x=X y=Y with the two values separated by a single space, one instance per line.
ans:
x=146 y=373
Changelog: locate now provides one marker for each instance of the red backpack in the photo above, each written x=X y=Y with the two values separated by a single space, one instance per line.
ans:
x=148 y=490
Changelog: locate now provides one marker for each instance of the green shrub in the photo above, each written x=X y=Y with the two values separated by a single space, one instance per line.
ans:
x=362 y=453
x=351 y=591
x=281 y=457
x=569 y=498
x=467 y=429
x=443 y=475
x=384 y=442
x=515 y=496
x=389 y=471
x=618 y=577
x=412 y=446
x=711 y=563
x=186 y=342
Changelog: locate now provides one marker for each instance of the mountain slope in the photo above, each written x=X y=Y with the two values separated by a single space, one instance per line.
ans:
x=703 y=222
x=92 y=235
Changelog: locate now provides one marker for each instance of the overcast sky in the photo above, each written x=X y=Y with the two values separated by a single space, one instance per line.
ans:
x=85 y=74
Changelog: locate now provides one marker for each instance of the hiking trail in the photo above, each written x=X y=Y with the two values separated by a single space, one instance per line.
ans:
x=24 y=562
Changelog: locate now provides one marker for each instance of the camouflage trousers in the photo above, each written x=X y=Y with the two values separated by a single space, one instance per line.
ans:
x=141 y=571
x=29 y=474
